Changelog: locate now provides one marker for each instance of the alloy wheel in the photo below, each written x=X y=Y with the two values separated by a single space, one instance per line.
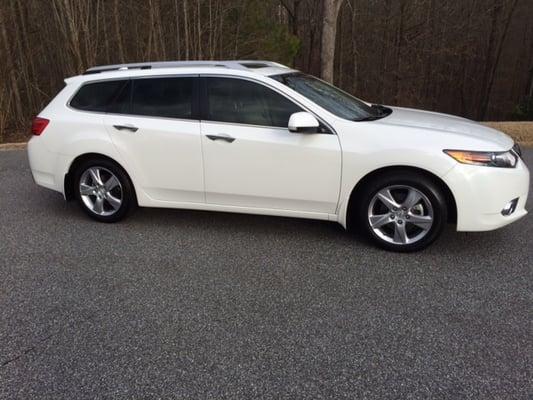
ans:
x=101 y=191
x=400 y=214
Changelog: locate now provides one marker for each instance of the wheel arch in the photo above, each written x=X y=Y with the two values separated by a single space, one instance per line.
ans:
x=359 y=187
x=76 y=162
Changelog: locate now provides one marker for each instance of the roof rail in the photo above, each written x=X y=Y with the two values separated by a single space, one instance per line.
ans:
x=244 y=64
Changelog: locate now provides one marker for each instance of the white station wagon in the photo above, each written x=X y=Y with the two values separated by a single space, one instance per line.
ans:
x=258 y=137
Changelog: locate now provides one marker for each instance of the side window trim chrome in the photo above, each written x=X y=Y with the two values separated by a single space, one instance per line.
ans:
x=199 y=94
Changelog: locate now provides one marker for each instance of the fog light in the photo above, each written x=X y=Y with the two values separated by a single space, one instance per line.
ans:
x=510 y=207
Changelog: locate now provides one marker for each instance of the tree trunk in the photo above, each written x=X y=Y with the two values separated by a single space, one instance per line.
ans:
x=496 y=45
x=428 y=49
x=355 y=54
x=329 y=33
x=185 y=19
x=384 y=51
x=399 y=43
x=464 y=64
x=11 y=68
x=178 y=38
x=530 y=84
x=199 y=26
x=117 y=31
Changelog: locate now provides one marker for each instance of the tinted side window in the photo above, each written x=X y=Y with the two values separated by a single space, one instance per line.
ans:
x=96 y=96
x=122 y=102
x=245 y=102
x=163 y=97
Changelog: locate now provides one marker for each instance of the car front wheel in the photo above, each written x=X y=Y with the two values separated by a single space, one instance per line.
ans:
x=403 y=211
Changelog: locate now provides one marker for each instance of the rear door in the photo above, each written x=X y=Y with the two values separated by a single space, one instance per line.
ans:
x=252 y=160
x=154 y=124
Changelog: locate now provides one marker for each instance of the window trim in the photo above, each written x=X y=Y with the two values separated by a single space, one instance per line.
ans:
x=199 y=97
x=203 y=104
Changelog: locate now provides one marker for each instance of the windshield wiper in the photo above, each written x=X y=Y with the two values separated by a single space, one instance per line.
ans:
x=369 y=118
x=380 y=108
x=383 y=112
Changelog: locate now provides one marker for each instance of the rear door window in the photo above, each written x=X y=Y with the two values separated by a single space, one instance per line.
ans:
x=163 y=97
x=97 y=96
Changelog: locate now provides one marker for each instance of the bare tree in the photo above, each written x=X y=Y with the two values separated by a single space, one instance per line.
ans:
x=495 y=47
x=118 y=35
x=457 y=57
x=329 y=34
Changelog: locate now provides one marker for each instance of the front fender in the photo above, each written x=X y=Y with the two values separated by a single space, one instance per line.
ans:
x=358 y=166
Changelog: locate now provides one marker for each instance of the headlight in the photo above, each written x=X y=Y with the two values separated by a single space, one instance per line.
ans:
x=503 y=159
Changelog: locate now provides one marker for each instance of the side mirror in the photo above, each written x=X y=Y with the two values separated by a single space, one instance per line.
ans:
x=303 y=122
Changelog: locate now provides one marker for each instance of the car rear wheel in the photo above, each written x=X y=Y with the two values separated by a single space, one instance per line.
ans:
x=103 y=190
x=403 y=211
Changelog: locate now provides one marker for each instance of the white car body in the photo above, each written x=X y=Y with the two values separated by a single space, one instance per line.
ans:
x=269 y=170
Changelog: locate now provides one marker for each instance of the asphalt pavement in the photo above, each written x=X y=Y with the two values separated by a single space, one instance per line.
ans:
x=178 y=304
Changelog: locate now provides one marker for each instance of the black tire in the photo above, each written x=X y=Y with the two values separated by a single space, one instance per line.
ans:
x=128 y=199
x=403 y=179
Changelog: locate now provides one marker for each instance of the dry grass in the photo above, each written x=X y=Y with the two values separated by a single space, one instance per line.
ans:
x=522 y=132
x=12 y=146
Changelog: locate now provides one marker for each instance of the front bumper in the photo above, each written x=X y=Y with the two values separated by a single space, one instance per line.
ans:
x=481 y=193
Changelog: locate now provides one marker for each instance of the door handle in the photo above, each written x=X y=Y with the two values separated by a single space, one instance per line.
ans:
x=126 y=128
x=222 y=136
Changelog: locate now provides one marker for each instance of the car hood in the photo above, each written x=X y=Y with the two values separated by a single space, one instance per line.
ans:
x=444 y=123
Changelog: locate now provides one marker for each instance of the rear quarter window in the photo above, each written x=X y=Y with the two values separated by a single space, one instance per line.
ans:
x=97 y=96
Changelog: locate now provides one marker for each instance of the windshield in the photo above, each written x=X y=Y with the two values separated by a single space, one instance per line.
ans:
x=331 y=98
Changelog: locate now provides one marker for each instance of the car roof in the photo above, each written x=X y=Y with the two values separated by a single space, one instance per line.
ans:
x=238 y=68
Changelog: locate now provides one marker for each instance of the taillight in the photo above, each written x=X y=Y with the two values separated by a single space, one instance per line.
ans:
x=38 y=125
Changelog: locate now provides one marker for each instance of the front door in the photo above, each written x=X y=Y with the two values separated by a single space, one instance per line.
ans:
x=252 y=160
